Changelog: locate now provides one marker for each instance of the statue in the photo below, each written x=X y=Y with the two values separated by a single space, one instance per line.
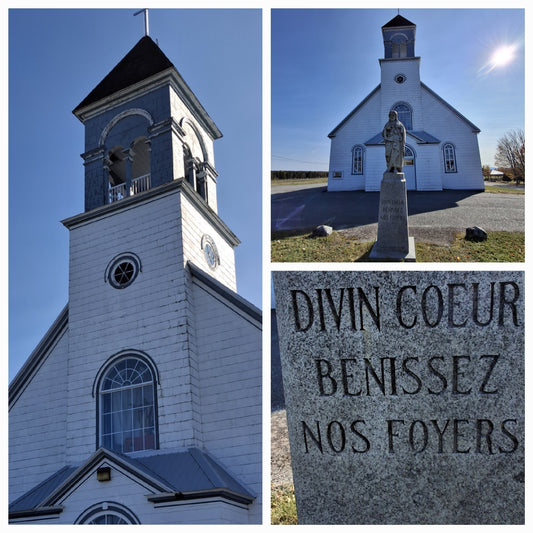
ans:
x=394 y=136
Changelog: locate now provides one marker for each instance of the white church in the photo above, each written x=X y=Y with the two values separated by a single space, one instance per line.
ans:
x=142 y=403
x=442 y=150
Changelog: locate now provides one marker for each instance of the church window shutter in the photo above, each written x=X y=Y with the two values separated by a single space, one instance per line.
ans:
x=128 y=407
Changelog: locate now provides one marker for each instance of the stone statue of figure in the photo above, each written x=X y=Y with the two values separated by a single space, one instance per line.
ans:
x=394 y=136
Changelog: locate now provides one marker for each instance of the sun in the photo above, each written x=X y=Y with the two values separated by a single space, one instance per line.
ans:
x=503 y=55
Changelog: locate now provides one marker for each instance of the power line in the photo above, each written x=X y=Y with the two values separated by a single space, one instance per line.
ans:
x=299 y=160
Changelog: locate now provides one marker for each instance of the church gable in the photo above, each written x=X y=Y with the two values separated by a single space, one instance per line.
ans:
x=442 y=148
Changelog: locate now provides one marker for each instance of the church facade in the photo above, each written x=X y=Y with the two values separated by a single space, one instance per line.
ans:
x=142 y=403
x=442 y=150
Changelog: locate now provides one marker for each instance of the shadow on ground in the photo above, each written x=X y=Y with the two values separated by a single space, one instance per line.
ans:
x=310 y=207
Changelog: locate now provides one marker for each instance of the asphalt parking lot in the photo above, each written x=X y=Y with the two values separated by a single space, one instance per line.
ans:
x=433 y=216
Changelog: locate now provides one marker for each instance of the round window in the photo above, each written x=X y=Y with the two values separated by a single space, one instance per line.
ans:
x=400 y=78
x=122 y=270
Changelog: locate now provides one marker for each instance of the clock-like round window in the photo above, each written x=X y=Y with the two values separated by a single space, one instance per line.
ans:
x=210 y=252
x=122 y=270
x=400 y=78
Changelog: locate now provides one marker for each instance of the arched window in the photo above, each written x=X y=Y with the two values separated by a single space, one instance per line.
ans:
x=128 y=406
x=450 y=164
x=107 y=513
x=405 y=115
x=357 y=159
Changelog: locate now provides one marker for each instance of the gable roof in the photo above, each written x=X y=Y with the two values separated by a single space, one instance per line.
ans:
x=398 y=21
x=225 y=293
x=144 y=60
x=32 y=364
x=189 y=474
x=424 y=136
x=421 y=137
x=353 y=112
x=475 y=129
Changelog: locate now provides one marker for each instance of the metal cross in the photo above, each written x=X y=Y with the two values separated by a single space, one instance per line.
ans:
x=145 y=11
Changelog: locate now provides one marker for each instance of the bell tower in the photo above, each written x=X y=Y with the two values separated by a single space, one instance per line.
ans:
x=400 y=73
x=145 y=127
x=149 y=227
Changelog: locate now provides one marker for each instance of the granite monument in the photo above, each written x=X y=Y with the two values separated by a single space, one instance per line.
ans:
x=393 y=242
x=405 y=395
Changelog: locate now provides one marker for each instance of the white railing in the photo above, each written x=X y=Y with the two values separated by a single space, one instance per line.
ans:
x=138 y=185
x=117 y=192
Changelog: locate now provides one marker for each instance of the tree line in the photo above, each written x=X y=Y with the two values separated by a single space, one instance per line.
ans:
x=510 y=155
x=297 y=174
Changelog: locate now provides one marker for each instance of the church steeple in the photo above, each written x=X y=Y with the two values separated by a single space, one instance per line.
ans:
x=399 y=38
x=144 y=127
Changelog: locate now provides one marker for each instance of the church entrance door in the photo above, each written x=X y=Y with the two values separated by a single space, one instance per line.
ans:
x=409 y=169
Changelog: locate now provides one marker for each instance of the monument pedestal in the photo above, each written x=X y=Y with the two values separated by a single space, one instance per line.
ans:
x=393 y=243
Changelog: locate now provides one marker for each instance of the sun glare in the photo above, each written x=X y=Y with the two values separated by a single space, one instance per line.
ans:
x=503 y=55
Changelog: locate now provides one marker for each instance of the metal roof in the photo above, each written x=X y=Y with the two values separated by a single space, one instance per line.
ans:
x=178 y=474
x=422 y=137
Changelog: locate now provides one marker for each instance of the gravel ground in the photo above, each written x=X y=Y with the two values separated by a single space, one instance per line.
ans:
x=280 y=460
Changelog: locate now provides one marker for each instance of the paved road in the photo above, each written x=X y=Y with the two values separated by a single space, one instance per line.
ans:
x=307 y=206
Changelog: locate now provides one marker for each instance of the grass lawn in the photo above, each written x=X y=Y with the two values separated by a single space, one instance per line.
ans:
x=504 y=190
x=283 y=505
x=500 y=246
x=309 y=181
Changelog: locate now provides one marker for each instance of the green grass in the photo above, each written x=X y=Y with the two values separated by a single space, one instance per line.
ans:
x=504 y=190
x=500 y=246
x=283 y=505
x=310 y=181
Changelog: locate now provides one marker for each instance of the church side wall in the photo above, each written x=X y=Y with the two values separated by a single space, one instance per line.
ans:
x=454 y=130
x=150 y=315
x=37 y=424
x=357 y=130
x=230 y=365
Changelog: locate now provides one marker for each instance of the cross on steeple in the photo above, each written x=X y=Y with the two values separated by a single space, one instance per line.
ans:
x=145 y=11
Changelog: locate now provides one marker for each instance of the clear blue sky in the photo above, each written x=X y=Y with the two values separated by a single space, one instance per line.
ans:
x=325 y=62
x=56 y=57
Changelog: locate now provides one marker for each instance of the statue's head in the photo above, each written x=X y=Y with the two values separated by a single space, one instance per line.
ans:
x=393 y=115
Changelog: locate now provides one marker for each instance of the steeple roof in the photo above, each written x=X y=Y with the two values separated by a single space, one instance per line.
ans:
x=144 y=60
x=398 y=21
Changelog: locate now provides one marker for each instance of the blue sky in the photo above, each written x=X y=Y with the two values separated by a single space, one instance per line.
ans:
x=56 y=57
x=325 y=62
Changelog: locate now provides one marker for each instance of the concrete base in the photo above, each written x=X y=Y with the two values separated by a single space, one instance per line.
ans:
x=393 y=243
x=376 y=254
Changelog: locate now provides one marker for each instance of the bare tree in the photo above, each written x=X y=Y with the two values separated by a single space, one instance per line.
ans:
x=511 y=154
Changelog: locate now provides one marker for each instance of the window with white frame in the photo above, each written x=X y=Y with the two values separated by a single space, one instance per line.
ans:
x=128 y=407
x=405 y=114
x=450 y=164
x=357 y=159
x=107 y=513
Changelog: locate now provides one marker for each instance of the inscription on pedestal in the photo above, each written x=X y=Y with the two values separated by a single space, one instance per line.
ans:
x=405 y=395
